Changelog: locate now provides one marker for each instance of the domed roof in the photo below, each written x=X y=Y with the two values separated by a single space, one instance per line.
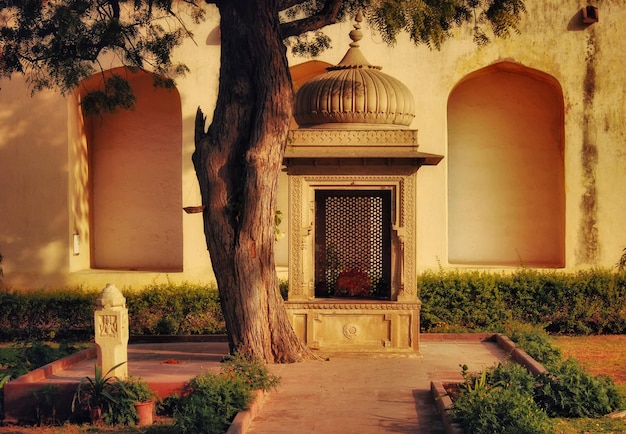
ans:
x=354 y=91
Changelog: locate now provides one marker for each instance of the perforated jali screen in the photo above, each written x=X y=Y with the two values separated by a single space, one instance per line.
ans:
x=353 y=230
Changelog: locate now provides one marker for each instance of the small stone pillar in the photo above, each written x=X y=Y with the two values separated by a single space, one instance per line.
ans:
x=111 y=327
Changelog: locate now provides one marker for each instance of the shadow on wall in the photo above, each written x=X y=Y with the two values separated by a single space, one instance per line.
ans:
x=583 y=18
x=33 y=175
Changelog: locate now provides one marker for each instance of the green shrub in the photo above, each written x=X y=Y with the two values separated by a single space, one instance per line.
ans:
x=534 y=341
x=283 y=285
x=4 y=378
x=175 y=309
x=569 y=391
x=584 y=302
x=566 y=391
x=138 y=389
x=122 y=410
x=590 y=301
x=506 y=411
x=47 y=314
x=469 y=300
x=99 y=392
x=212 y=401
x=180 y=309
x=252 y=370
x=493 y=402
x=511 y=376
x=169 y=405
x=24 y=357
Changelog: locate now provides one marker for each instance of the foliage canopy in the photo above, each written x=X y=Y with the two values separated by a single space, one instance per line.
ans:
x=58 y=43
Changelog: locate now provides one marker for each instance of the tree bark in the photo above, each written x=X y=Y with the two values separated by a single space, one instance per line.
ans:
x=238 y=161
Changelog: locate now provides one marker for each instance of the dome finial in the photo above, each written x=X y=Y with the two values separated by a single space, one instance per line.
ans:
x=353 y=57
x=354 y=92
x=356 y=35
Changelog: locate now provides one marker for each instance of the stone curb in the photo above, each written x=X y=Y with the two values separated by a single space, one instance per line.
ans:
x=520 y=356
x=443 y=401
x=244 y=419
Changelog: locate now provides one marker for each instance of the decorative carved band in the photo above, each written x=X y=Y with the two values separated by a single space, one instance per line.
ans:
x=295 y=256
x=321 y=305
x=352 y=137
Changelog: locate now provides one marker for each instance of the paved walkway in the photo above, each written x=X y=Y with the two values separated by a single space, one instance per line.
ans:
x=368 y=395
x=344 y=395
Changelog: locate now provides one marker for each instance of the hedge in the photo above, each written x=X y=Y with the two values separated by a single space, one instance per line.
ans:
x=584 y=302
x=67 y=314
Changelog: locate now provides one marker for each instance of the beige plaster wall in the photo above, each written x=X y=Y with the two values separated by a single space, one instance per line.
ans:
x=33 y=183
x=43 y=168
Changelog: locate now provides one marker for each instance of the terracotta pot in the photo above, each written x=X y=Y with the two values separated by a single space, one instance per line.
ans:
x=145 y=411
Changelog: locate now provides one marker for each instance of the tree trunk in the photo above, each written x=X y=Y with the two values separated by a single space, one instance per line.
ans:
x=237 y=162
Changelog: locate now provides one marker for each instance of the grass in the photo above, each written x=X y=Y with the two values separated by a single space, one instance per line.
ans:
x=590 y=426
x=601 y=355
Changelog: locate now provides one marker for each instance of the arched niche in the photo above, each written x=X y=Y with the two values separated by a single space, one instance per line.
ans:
x=135 y=176
x=506 y=195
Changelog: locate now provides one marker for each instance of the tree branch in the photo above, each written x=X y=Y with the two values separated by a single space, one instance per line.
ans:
x=325 y=17
x=286 y=4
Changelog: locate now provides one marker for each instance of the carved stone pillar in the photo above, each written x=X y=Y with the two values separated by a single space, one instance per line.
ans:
x=111 y=328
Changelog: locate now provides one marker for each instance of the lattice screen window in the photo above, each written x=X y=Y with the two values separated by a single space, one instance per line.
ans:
x=352 y=243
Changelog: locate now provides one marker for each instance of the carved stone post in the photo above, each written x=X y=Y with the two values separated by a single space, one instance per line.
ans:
x=111 y=324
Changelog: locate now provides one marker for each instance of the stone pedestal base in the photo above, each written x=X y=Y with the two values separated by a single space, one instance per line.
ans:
x=357 y=326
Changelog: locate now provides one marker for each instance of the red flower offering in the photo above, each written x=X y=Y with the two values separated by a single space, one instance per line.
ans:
x=353 y=283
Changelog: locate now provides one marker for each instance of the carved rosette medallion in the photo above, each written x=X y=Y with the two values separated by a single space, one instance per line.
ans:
x=350 y=330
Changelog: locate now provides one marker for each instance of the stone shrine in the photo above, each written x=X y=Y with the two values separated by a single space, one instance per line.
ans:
x=352 y=169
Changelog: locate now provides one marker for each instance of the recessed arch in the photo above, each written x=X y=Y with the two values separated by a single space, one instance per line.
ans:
x=135 y=174
x=506 y=194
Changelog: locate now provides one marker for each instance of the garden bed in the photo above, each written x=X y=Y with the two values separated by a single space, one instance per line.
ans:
x=599 y=356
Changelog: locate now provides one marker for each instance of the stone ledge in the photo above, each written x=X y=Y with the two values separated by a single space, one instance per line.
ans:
x=241 y=423
x=443 y=402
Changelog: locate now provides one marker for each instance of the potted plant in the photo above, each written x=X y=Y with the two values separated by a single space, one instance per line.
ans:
x=93 y=394
x=143 y=397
